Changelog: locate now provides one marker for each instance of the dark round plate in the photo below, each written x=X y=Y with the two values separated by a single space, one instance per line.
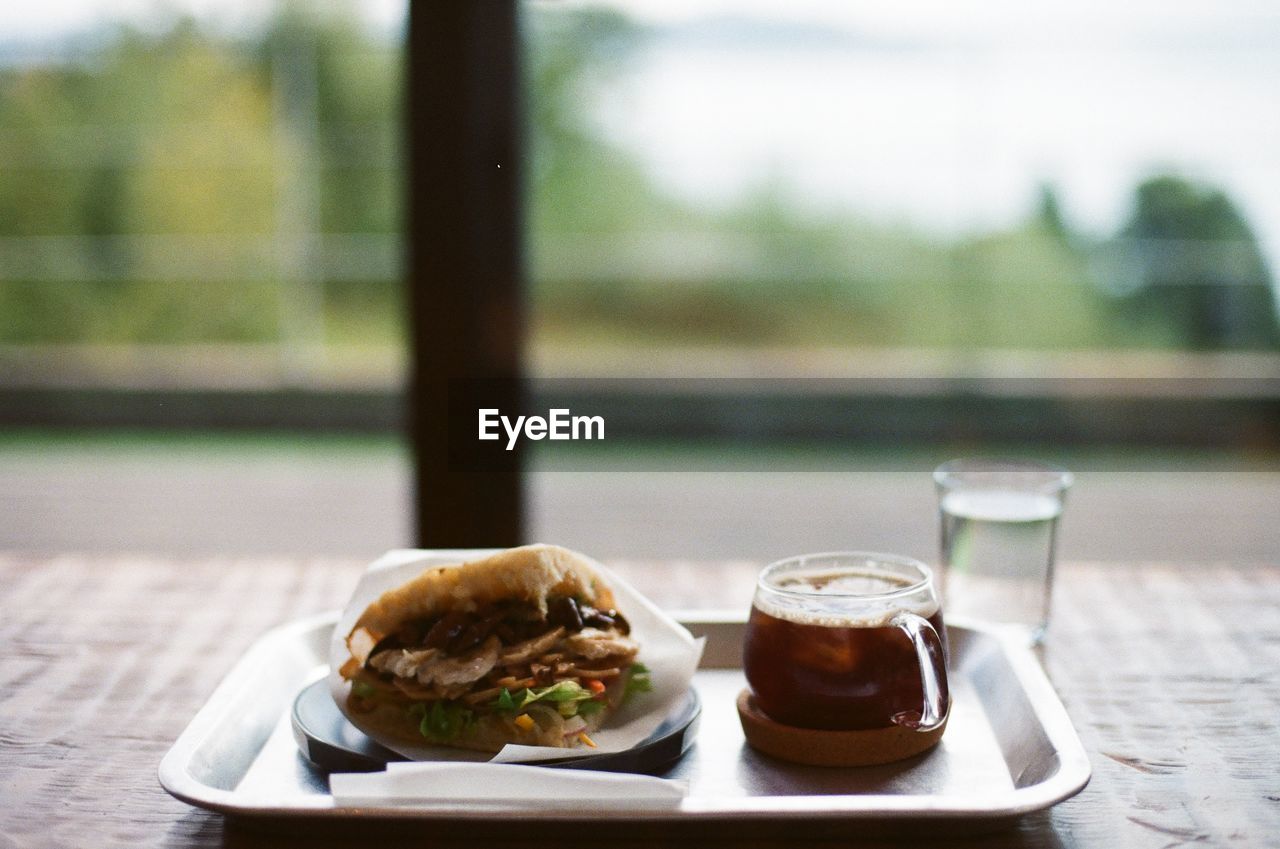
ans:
x=332 y=744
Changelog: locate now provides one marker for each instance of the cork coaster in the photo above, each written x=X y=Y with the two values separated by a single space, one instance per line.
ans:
x=831 y=748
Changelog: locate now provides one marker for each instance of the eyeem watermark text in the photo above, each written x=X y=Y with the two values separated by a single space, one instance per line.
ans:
x=559 y=424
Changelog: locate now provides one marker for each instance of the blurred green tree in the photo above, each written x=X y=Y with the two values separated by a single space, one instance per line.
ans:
x=183 y=186
x=338 y=102
x=578 y=182
x=1200 y=274
x=1048 y=214
x=158 y=135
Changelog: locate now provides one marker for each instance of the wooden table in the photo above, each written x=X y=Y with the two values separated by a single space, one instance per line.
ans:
x=1171 y=675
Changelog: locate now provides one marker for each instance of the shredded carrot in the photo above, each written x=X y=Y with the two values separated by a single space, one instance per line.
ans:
x=584 y=738
x=524 y=722
x=595 y=686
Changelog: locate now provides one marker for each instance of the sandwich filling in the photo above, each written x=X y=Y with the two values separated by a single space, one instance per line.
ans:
x=553 y=669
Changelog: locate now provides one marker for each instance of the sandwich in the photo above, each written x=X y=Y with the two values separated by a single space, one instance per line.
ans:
x=525 y=646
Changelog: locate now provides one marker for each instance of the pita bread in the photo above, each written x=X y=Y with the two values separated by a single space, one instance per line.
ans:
x=530 y=574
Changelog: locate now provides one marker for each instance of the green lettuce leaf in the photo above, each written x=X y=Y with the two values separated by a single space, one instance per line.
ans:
x=638 y=680
x=444 y=721
x=568 y=697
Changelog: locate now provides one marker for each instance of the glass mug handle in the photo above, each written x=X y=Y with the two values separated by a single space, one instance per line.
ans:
x=934 y=711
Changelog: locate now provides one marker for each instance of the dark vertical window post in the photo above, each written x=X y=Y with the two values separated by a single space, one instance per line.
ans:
x=464 y=263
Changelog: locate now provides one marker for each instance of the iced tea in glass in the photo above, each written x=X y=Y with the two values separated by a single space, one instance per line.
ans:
x=848 y=640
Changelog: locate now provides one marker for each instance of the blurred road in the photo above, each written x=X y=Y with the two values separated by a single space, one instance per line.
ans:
x=352 y=499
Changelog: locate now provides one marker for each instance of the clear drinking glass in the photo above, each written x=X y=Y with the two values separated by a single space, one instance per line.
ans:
x=999 y=528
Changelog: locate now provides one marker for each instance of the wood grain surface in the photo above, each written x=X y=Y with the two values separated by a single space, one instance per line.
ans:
x=1171 y=675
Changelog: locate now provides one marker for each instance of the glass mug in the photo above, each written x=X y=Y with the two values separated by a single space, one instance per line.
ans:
x=848 y=641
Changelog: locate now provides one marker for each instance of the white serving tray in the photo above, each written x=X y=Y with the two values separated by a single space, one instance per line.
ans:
x=1009 y=749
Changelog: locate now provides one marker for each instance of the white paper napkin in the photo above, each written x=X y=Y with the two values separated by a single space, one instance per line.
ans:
x=466 y=785
x=666 y=648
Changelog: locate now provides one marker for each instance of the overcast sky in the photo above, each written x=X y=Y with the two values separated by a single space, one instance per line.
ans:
x=1046 y=20
x=950 y=127
x=44 y=20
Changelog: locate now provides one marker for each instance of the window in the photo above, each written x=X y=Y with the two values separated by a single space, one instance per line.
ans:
x=201 y=340
x=905 y=232
x=906 y=188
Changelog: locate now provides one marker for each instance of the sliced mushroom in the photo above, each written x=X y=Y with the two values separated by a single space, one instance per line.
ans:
x=563 y=610
x=597 y=674
x=482 y=696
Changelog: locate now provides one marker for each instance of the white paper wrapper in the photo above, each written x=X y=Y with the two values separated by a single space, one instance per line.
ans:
x=477 y=785
x=666 y=648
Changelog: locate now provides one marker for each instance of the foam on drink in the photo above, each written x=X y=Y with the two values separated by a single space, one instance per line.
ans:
x=812 y=597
